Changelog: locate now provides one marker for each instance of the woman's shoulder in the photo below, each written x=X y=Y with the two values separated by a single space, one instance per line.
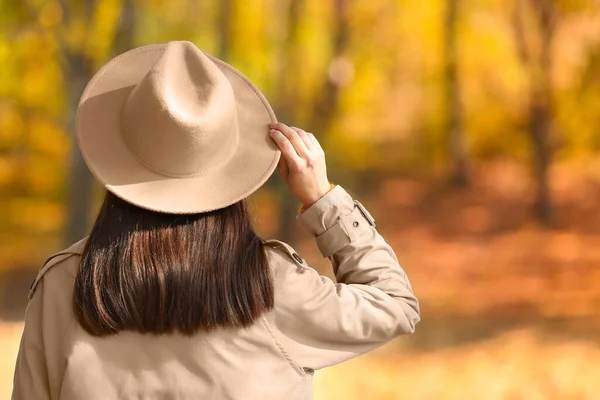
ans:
x=66 y=260
x=285 y=251
x=288 y=268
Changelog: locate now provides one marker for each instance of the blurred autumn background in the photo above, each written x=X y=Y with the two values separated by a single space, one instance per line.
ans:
x=469 y=129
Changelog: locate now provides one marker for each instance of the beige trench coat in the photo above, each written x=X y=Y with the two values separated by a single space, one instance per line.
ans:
x=315 y=323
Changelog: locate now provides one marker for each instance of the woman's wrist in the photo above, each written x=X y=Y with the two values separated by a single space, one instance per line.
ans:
x=304 y=207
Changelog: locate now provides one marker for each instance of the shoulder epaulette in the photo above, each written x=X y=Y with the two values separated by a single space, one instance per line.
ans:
x=289 y=250
x=54 y=259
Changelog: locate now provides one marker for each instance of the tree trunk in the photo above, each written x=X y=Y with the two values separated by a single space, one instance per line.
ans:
x=125 y=38
x=454 y=128
x=540 y=98
x=80 y=180
x=225 y=29
x=539 y=129
x=541 y=111
x=76 y=67
x=328 y=98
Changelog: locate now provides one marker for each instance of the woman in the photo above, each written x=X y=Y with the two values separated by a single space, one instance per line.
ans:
x=173 y=295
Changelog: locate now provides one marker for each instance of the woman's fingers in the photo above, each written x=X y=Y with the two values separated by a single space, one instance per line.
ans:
x=294 y=138
x=300 y=149
x=305 y=138
x=302 y=162
x=287 y=149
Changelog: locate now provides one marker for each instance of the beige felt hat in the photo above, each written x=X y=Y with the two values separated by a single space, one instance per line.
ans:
x=170 y=128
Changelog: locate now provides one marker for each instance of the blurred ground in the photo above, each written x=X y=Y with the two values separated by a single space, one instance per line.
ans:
x=514 y=365
x=509 y=310
x=477 y=252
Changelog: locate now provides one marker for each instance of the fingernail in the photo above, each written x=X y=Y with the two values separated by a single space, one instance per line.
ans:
x=273 y=123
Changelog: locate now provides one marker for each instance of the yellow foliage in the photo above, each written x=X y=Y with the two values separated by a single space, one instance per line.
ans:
x=47 y=138
x=75 y=34
x=35 y=215
x=44 y=174
x=11 y=127
x=51 y=14
x=6 y=170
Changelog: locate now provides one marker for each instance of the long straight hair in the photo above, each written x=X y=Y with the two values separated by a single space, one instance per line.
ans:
x=159 y=273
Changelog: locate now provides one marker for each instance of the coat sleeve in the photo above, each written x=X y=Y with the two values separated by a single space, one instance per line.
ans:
x=320 y=322
x=40 y=361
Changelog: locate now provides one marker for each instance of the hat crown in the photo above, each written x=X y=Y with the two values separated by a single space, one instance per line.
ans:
x=180 y=120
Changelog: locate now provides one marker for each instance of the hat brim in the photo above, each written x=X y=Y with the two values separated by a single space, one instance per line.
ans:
x=112 y=163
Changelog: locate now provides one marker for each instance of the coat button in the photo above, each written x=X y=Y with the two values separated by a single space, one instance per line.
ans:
x=297 y=258
x=355 y=224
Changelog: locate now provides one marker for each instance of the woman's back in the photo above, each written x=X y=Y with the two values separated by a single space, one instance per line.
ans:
x=315 y=323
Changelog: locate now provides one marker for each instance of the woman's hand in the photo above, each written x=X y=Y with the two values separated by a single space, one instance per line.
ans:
x=302 y=163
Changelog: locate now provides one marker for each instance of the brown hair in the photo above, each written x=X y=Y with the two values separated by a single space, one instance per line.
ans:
x=158 y=273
